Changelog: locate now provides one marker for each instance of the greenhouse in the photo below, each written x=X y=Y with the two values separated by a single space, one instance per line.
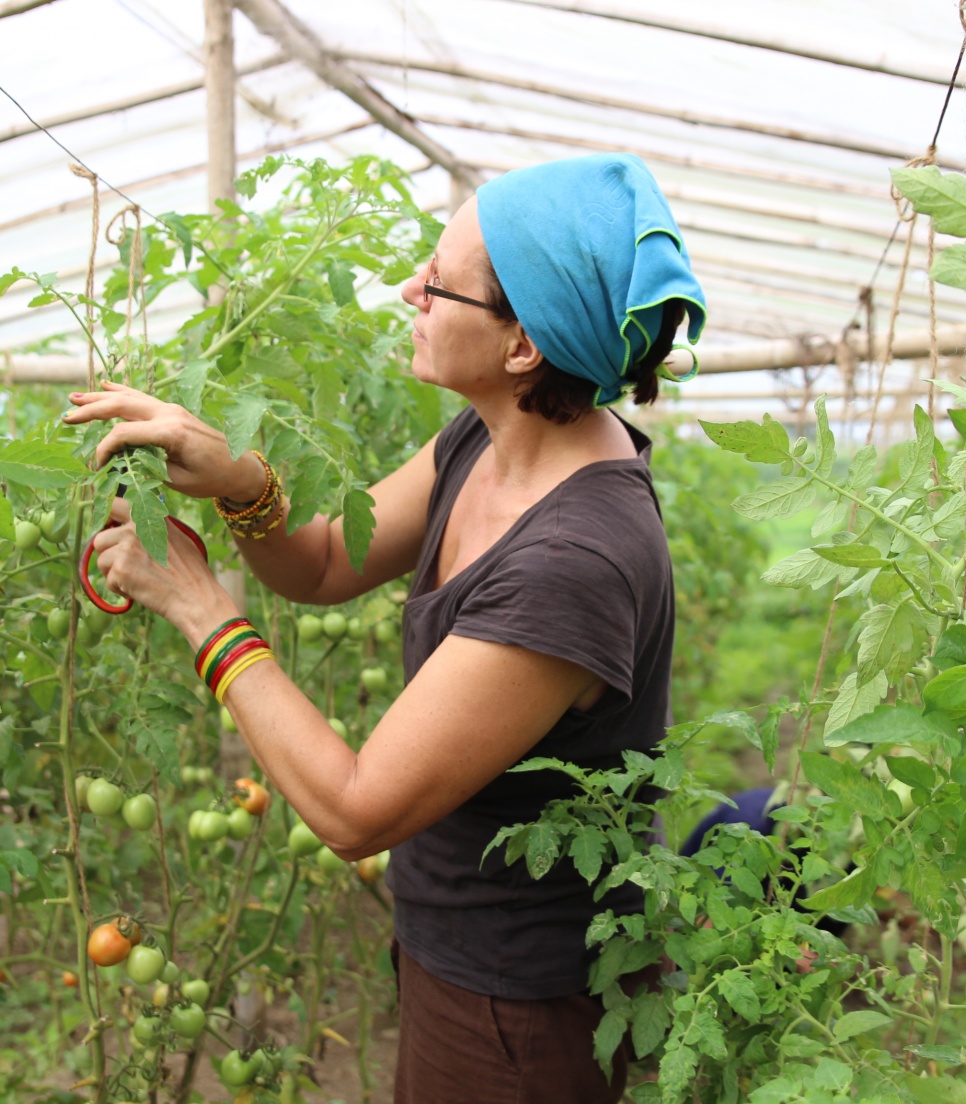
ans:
x=482 y=557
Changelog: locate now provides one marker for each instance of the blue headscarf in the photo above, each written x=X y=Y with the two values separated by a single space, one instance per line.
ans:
x=587 y=251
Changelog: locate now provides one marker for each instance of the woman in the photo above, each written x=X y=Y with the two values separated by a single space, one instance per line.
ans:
x=539 y=621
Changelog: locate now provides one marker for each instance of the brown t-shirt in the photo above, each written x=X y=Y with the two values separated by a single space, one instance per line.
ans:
x=585 y=575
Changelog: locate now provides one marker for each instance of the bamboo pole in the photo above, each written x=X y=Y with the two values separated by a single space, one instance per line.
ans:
x=126 y=104
x=766 y=355
x=17 y=7
x=720 y=35
x=296 y=39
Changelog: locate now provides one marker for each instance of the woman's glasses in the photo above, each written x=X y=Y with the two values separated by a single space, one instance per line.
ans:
x=432 y=287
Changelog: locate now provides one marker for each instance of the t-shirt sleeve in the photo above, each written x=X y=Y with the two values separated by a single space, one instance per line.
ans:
x=560 y=599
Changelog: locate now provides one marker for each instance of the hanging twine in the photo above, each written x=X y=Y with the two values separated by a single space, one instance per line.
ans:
x=86 y=174
x=135 y=286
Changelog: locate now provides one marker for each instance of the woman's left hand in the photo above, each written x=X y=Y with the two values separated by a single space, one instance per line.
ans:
x=180 y=592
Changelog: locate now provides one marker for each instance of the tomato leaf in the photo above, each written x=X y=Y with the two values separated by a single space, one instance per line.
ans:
x=242 y=418
x=7 y=531
x=38 y=465
x=358 y=525
x=859 y=1023
x=901 y=724
x=761 y=444
x=649 y=1024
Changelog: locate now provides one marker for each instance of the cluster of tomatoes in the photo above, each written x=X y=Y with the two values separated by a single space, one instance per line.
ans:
x=334 y=626
x=105 y=798
x=250 y=799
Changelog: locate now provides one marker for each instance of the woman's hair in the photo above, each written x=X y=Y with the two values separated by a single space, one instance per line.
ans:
x=562 y=398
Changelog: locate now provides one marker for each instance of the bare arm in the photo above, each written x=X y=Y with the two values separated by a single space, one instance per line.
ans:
x=312 y=565
x=417 y=765
x=309 y=566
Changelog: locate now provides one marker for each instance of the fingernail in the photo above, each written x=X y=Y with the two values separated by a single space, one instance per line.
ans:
x=67 y=413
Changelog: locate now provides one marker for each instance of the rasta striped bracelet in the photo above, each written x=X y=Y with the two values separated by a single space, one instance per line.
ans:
x=232 y=648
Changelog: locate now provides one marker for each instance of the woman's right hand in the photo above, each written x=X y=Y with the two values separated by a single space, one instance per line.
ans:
x=199 y=462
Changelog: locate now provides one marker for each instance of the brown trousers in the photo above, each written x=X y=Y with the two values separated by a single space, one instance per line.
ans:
x=460 y=1047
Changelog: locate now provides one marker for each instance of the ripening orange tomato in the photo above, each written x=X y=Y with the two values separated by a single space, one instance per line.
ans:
x=251 y=795
x=107 y=946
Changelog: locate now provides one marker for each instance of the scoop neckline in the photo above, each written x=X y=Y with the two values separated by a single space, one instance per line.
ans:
x=629 y=461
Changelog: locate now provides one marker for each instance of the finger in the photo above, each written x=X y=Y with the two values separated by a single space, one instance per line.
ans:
x=82 y=399
x=120 y=511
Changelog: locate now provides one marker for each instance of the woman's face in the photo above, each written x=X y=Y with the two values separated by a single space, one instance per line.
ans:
x=461 y=346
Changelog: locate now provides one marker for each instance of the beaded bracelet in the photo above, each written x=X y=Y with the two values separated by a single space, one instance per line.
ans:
x=244 y=522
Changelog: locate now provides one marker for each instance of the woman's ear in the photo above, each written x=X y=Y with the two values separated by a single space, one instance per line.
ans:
x=522 y=353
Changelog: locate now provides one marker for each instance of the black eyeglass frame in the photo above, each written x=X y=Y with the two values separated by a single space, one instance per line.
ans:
x=430 y=287
x=442 y=293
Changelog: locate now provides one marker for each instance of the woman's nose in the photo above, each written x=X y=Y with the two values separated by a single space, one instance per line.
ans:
x=413 y=293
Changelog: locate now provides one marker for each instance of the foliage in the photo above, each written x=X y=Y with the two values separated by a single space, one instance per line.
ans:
x=288 y=359
x=764 y=1001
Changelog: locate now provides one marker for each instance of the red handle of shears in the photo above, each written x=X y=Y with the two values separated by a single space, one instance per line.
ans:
x=83 y=567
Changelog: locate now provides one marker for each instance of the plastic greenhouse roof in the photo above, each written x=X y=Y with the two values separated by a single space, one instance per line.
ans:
x=771 y=125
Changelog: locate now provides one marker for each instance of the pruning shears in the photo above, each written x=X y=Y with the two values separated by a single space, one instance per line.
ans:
x=83 y=568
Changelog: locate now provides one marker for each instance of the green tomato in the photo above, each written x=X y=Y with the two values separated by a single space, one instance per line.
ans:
x=146 y=1029
x=170 y=973
x=104 y=799
x=212 y=825
x=194 y=822
x=27 y=535
x=241 y=823
x=310 y=628
x=82 y=785
x=238 y=1070
x=227 y=720
x=58 y=622
x=355 y=629
x=189 y=775
x=85 y=634
x=375 y=679
x=303 y=841
x=385 y=631
x=188 y=1020
x=140 y=812
x=196 y=990
x=97 y=619
x=54 y=527
x=338 y=728
x=334 y=625
x=144 y=964
x=330 y=862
